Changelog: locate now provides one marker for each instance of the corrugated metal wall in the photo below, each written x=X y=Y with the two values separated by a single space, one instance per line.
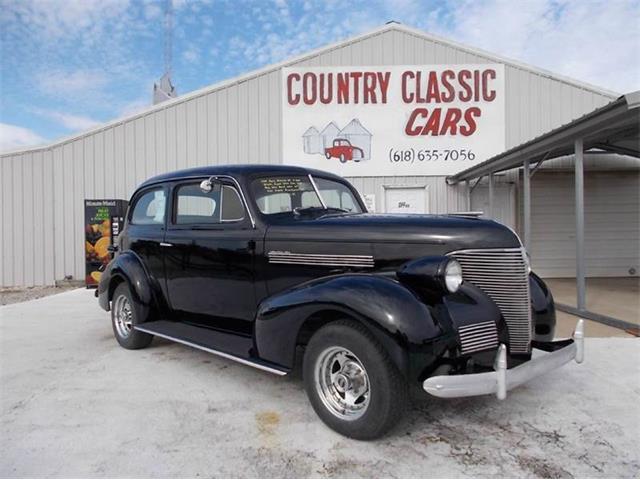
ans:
x=41 y=237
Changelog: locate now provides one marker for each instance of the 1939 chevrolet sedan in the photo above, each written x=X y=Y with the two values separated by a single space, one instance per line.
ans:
x=252 y=262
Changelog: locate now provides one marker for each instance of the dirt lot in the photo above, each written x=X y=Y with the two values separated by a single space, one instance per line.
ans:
x=9 y=295
x=73 y=403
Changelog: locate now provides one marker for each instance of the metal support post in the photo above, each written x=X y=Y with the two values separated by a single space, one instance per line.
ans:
x=579 y=187
x=526 y=181
x=491 y=212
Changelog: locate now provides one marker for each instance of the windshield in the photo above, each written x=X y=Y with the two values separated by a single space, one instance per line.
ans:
x=296 y=193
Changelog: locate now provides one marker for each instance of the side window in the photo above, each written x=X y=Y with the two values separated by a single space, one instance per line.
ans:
x=149 y=208
x=221 y=204
x=195 y=206
x=232 y=207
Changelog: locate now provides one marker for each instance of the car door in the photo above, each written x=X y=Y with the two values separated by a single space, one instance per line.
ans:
x=144 y=233
x=209 y=257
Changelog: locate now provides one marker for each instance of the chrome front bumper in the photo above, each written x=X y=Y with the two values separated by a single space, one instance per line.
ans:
x=503 y=379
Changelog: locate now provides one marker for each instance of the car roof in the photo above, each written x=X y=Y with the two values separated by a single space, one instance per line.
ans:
x=236 y=171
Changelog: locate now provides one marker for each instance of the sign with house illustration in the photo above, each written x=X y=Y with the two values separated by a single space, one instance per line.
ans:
x=353 y=142
x=393 y=120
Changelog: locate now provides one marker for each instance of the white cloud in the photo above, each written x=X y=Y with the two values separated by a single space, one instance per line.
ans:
x=191 y=55
x=54 y=19
x=135 y=106
x=80 y=82
x=13 y=136
x=591 y=41
x=67 y=120
x=152 y=10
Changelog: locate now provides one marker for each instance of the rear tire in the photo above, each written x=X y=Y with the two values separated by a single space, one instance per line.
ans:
x=351 y=382
x=343 y=159
x=328 y=155
x=125 y=314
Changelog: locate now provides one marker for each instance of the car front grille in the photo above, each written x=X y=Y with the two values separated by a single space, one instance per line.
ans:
x=477 y=337
x=503 y=275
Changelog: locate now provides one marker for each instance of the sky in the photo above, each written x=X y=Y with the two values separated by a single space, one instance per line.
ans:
x=69 y=65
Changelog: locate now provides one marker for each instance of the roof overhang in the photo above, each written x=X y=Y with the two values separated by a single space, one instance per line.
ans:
x=614 y=128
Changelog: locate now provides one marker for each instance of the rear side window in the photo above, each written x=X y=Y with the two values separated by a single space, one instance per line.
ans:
x=221 y=204
x=150 y=208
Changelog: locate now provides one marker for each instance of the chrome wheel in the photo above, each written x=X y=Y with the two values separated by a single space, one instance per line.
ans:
x=342 y=383
x=123 y=316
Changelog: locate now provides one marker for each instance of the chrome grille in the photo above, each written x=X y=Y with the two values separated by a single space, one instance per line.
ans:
x=503 y=275
x=478 y=337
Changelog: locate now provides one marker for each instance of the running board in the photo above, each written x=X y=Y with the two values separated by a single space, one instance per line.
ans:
x=207 y=340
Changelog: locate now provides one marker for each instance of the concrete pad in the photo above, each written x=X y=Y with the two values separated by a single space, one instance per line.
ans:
x=566 y=323
x=613 y=297
x=75 y=404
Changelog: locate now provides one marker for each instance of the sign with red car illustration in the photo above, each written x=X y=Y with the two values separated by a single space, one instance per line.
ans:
x=393 y=120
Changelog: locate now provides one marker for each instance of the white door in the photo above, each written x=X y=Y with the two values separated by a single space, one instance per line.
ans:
x=612 y=224
x=406 y=200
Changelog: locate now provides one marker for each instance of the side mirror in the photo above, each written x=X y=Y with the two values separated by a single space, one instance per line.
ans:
x=206 y=185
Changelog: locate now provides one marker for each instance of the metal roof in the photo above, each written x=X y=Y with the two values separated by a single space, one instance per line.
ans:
x=614 y=128
x=301 y=58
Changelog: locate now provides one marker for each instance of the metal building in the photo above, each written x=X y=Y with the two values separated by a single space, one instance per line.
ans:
x=241 y=121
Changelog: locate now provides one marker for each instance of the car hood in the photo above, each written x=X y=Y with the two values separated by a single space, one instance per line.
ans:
x=443 y=233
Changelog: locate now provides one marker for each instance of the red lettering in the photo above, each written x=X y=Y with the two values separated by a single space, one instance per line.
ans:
x=343 y=88
x=326 y=88
x=292 y=99
x=450 y=93
x=309 y=88
x=433 y=124
x=369 y=90
x=433 y=92
x=476 y=85
x=463 y=76
x=383 y=81
x=469 y=117
x=488 y=95
x=356 y=86
x=410 y=129
x=419 y=98
x=450 y=123
x=406 y=96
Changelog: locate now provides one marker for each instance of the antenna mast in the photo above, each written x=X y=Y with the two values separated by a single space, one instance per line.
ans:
x=168 y=36
x=164 y=89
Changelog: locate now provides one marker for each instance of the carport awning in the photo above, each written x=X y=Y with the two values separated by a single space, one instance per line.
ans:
x=614 y=128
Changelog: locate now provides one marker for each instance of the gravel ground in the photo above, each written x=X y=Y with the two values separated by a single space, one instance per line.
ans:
x=75 y=404
x=9 y=295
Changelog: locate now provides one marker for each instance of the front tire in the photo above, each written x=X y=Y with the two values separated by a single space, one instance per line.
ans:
x=351 y=382
x=125 y=314
x=343 y=159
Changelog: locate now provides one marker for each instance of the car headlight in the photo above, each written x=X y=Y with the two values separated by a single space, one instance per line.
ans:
x=453 y=276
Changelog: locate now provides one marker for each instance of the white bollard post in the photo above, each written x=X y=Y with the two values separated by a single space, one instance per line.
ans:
x=500 y=366
x=578 y=337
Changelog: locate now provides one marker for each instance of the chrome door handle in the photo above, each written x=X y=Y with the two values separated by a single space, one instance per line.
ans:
x=165 y=244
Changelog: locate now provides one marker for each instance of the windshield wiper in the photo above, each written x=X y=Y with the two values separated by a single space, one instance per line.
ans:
x=301 y=210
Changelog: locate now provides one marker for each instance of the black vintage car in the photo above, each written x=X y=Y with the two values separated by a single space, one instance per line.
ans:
x=252 y=262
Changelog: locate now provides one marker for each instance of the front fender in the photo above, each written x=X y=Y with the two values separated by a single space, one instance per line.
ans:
x=392 y=312
x=128 y=267
x=543 y=309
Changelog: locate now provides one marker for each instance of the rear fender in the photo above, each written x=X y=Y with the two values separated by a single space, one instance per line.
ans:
x=127 y=267
x=392 y=312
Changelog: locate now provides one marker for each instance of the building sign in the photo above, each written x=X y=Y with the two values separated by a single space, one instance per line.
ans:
x=393 y=120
